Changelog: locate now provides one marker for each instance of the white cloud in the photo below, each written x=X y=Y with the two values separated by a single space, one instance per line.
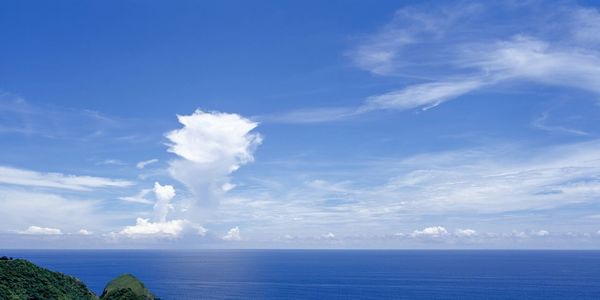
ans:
x=200 y=230
x=518 y=234
x=233 y=234
x=571 y=234
x=139 y=197
x=115 y=162
x=328 y=236
x=164 y=194
x=210 y=146
x=146 y=228
x=143 y=164
x=36 y=230
x=288 y=237
x=161 y=227
x=434 y=232
x=208 y=137
x=84 y=232
x=9 y=175
x=541 y=233
x=465 y=232
x=227 y=186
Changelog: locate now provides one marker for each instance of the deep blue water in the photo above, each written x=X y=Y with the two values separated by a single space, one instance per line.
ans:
x=336 y=274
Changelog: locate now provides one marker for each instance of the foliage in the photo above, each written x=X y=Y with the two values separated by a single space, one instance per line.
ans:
x=122 y=294
x=20 y=279
x=126 y=284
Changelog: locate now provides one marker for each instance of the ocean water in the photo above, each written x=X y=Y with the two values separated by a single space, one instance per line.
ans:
x=336 y=274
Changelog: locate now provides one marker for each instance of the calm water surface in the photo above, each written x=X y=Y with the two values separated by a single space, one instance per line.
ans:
x=336 y=274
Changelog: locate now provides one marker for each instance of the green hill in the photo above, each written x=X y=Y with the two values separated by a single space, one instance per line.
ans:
x=127 y=285
x=21 y=279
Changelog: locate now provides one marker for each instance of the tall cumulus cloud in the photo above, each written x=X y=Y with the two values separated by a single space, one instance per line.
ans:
x=210 y=146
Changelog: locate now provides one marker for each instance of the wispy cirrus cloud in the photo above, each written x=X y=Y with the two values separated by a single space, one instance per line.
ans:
x=541 y=122
x=19 y=116
x=114 y=162
x=446 y=51
x=426 y=95
x=140 y=197
x=144 y=163
x=22 y=177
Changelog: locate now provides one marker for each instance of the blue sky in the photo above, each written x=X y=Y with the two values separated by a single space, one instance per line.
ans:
x=306 y=124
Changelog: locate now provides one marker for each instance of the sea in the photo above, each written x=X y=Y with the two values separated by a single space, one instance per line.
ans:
x=336 y=274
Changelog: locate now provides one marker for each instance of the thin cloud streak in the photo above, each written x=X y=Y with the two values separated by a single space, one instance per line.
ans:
x=144 y=163
x=22 y=177
x=541 y=123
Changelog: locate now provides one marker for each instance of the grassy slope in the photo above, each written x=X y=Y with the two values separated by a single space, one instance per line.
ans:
x=20 y=279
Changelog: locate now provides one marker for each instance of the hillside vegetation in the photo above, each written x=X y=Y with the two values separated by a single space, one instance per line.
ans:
x=21 y=279
x=126 y=284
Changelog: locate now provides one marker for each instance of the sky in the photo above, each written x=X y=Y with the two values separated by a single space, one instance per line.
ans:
x=300 y=124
